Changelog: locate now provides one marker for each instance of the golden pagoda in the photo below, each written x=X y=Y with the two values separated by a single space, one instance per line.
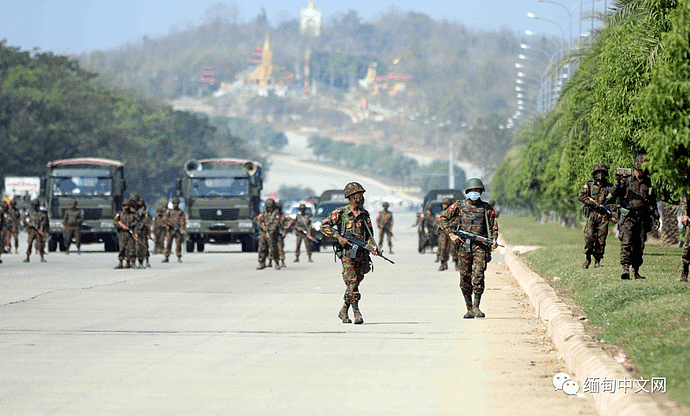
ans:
x=262 y=73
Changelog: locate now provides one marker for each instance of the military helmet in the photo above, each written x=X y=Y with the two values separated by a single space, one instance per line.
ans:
x=639 y=160
x=74 y=203
x=160 y=209
x=35 y=202
x=13 y=203
x=176 y=200
x=270 y=202
x=600 y=168
x=385 y=205
x=126 y=203
x=352 y=188
x=3 y=204
x=447 y=201
x=302 y=206
x=134 y=197
x=474 y=183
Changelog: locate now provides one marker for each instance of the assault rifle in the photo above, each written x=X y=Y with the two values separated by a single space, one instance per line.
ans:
x=608 y=213
x=129 y=230
x=36 y=228
x=304 y=233
x=469 y=238
x=357 y=244
x=176 y=228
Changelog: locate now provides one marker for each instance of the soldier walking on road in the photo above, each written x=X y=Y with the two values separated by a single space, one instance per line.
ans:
x=4 y=226
x=158 y=229
x=143 y=227
x=71 y=226
x=384 y=220
x=283 y=226
x=685 y=220
x=36 y=221
x=476 y=217
x=123 y=222
x=15 y=224
x=353 y=219
x=638 y=215
x=175 y=222
x=302 y=226
x=594 y=194
x=269 y=224
x=445 y=246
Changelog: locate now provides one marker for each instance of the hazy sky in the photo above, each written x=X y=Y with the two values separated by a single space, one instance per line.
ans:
x=73 y=26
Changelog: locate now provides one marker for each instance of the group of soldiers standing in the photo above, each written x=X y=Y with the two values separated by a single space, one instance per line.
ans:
x=631 y=203
x=135 y=228
x=36 y=222
x=273 y=225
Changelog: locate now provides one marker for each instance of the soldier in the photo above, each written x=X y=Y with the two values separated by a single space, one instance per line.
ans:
x=174 y=220
x=36 y=221
x=4 y=226
x=638 y=215
x=427 y=227
x=594 y=194
x=384 y=220
x=302 y=225
x=158 y=230
x=269 y=225
x=445 y=246
x=354 y=219
x=476 y=217
x=685 y=220
x=71 y=226
x=14 y=226
x=124 y=224
x=283 y=226
x=143 y=226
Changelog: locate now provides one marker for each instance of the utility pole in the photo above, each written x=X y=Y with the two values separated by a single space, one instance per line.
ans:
x=451 y=167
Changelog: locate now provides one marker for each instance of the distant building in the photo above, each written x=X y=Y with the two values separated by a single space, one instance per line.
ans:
x=310 y=20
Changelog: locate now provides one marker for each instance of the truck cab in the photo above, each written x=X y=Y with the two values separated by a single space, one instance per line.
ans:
x=222 y=197
x=98 y=186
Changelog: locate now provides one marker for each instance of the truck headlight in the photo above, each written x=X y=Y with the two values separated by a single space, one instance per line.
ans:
x=193 y=225
x=56 y=224
x=245 y=224
x=107 y=225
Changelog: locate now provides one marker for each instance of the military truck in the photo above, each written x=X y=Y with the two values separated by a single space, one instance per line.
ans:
x=98 y=186
x=222 y=197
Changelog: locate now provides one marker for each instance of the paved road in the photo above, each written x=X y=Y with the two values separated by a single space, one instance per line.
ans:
x=215 y=336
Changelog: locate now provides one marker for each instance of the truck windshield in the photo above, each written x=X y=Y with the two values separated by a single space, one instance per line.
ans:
x=82 y=185
x=219 y=187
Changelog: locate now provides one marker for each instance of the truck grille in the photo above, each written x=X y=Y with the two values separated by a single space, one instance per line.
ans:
x=89 y=213
x=212 y=214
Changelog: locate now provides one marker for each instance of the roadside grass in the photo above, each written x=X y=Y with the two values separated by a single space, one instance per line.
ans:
x=649 y=319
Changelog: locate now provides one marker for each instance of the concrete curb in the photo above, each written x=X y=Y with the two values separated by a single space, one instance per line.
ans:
x=581 y=353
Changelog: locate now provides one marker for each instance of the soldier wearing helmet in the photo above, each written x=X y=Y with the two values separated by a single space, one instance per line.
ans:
x=685 y=220
x=36 y=221
x=479 y=218
x=174 y=220
x=5 y=224
x=594 y=195
x=353 y=219
x=15 y=222
x=638 y=215
x=384 y=220
x=283 y=226
x=158 y=230
x=124 y=223
x=302 y=226
x=143 y=227
x=269 y=223
x=71 y=226
x=445 y=246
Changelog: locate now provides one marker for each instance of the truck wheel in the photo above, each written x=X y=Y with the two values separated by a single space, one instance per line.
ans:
x=52 y=243
x=200 y=246
x=249 y=244
x=110 y=243
x=315 y=247
x=61 y=242
x=190 y=246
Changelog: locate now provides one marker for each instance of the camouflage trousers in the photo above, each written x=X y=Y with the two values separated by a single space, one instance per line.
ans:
x=447 y=248
x=383 y=232
x=5 y=237
x=71 y=231
x=142 y=246
x=353 y=274
x=596 y=231
x=40 y=242
x=472 y=267
x=178 y=243
x=14 y=233
x=424 y=238
x=686 y=247
x=307 y=245
x=268 y=248
x=632 y=237
x=281 y=247
x=159 y=244
x=126 y=251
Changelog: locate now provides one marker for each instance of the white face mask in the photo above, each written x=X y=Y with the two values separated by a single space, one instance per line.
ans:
x=473 y=195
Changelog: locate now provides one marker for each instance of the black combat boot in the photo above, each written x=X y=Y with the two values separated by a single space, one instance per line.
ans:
x=129 y=265
x=637 y=274
x=358 y=316
x=343 y=313
x=587 y=262
x=119 y=265
x=684 y=275
x=478 y=313
x=26 y=260
x=179 y=259
x=165 y=260
x=626 y=272
x=470 y=309
x=262 y=265
x=310 y=260
x=597 y=262
x=296 y=259
x=443 y=266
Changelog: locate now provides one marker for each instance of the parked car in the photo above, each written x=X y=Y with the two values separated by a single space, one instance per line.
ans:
x=323 y=211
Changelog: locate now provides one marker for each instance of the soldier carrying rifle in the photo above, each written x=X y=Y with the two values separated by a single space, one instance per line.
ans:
x=174 y=220
x=36 y=221
x=594 y=195
x=124 y=222
x=302 y=226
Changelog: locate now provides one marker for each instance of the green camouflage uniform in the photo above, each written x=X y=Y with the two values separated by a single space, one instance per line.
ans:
x=353 y=268
x=72 y=221
x=476 y=217
x=126 y=249
x=39 y=219
x=686 y=247
x=269 y=225
x=446 y=248
x=174 y=216
x=638 y=212
x=384 y=221
x=597 y=226
x=15 y=225
x=303 y=222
